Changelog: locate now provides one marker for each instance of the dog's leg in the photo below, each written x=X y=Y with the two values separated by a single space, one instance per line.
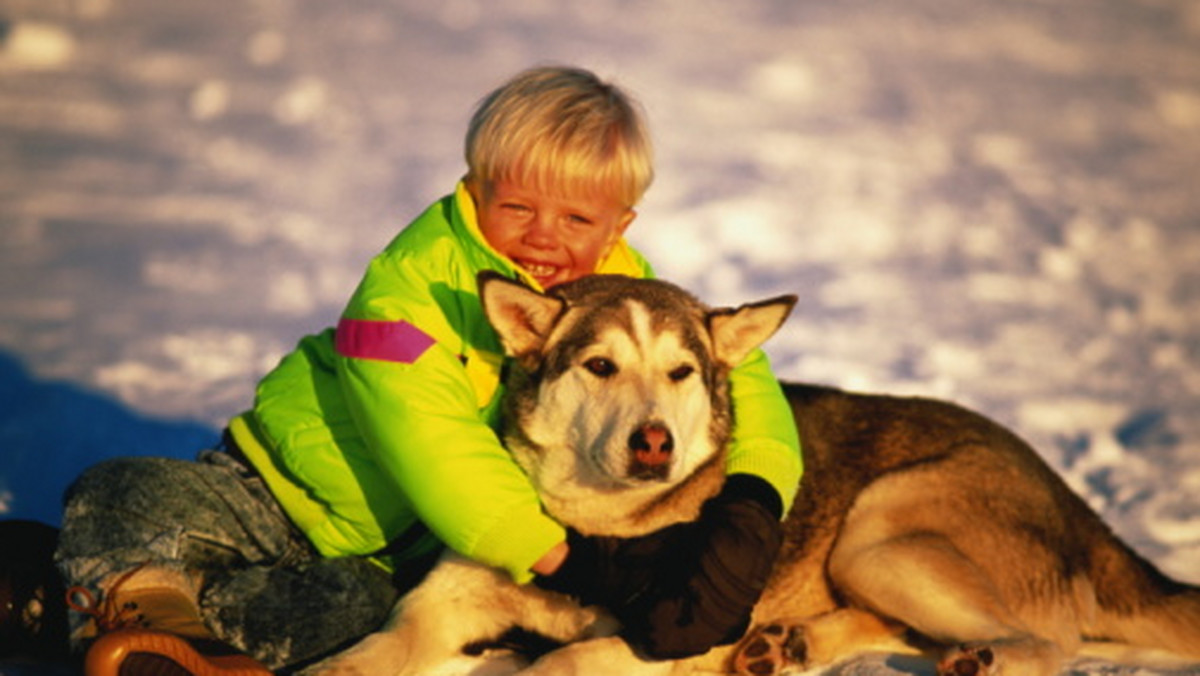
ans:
x=458 y=603
x=423 y=633
x=770 y=648
x=597 y=657
x=924 y=581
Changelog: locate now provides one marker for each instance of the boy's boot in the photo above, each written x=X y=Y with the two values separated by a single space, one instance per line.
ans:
x=148 y=624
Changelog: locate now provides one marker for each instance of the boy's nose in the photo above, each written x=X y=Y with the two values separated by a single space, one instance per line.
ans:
x=542 y=233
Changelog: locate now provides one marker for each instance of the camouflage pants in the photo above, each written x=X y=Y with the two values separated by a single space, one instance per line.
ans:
x=265 y=589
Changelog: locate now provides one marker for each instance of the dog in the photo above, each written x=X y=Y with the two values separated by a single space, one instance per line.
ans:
x=919 y=526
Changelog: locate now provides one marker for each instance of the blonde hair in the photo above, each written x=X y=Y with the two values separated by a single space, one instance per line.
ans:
x=564 y=131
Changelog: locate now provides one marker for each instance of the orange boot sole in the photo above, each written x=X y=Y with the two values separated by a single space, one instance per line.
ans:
x=110 y=651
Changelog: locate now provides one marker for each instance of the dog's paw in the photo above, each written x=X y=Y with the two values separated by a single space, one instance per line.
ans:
x=768 y=649
x=967 y=660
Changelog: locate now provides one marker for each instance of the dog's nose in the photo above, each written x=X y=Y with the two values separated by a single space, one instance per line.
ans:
x=652 y=445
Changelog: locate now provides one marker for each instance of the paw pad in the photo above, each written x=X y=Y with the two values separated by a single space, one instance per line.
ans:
x=967 y=661
x=768 y=649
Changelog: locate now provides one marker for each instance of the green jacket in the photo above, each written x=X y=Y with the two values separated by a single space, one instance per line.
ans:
x=392 y=418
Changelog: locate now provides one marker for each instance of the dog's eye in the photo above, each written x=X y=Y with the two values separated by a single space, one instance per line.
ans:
x=680 y=372
x=600 y=367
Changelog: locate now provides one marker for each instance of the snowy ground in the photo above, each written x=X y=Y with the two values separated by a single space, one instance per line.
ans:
x=989 y=201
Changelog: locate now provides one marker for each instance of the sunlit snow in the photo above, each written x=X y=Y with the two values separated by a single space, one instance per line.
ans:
x=993 y=202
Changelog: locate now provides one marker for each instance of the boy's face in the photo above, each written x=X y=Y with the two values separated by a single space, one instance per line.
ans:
x=554 y=239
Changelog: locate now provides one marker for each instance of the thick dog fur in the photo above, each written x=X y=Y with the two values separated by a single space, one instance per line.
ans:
x=919 y=526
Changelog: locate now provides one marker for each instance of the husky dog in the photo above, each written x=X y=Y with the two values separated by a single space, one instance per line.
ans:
x=919 y=526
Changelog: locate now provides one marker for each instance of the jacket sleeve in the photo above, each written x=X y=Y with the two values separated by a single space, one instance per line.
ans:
x=765 y=441
x=419 y=415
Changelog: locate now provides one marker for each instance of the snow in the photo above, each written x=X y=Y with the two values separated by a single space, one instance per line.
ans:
x=992 y=202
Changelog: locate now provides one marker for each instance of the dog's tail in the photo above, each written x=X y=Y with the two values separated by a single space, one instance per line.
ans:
x=1138 y=605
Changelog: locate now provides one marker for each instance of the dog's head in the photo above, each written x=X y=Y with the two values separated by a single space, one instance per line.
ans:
x=619 y=390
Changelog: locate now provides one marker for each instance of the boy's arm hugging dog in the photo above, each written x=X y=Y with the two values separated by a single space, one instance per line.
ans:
x=683 y=589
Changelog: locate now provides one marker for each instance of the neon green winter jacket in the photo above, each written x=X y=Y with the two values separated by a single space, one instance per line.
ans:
x=391 y=420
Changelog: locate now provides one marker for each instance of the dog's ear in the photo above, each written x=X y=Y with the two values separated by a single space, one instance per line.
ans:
x=737 y=331
x=521 y=316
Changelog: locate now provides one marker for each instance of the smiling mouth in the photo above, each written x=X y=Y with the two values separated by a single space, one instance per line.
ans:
x=539 y=270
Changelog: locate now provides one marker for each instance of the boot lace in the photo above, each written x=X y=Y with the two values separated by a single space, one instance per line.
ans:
x=105 y=612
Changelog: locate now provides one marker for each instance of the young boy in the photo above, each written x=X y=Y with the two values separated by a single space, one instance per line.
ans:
x=373 y=445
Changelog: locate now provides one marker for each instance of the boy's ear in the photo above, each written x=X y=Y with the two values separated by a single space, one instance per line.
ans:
x=622 y=225
x=626 y=221
x=475 y=188
x=736 y=332
x=522 y=317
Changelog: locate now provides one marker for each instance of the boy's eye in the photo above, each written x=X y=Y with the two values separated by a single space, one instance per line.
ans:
x=600 y=367
x=580 y=220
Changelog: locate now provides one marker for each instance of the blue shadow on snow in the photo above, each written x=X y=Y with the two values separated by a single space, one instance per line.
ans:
x=51 y=431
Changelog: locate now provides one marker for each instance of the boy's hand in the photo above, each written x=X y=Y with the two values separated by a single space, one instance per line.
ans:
x=686 y=588
x=609 y=571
